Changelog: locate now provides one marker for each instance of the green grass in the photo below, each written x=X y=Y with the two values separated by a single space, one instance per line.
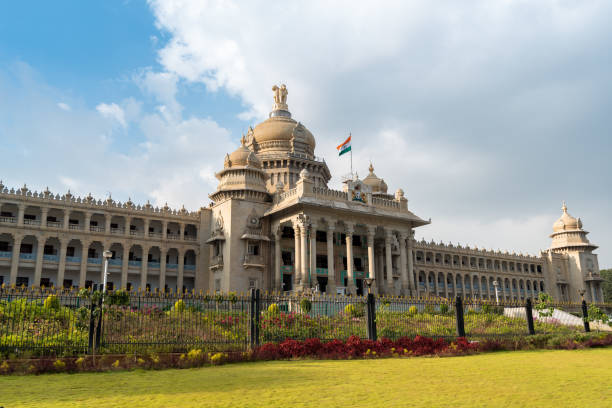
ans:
x=510 y=379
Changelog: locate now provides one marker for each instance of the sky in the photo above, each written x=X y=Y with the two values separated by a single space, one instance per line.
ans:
x=487 y=114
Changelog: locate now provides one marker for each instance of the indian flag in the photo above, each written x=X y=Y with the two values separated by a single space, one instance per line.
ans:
x=344 y=147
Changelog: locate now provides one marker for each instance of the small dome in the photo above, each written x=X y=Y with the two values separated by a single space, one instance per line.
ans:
x=566 y=222
x=242 y=157
x=378 y=185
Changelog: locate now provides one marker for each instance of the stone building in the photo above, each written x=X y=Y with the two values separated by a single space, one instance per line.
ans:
x=274 y=224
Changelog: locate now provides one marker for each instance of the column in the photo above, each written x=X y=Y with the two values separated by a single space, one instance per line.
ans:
x=66 y=219
x=40 y=250
x=61 y=268
x=15 y=258
x=105 y=246
x=124 y=265
x=303 y=254
x=146 y=227
x=297 y=275
x=181 y=270
x=592 y=287
x=331 y=275
x=20 y=213
x=165 y=229
x=389 y=262
x=278 y=276
x=144 y=268
x=371 y=257
x=410 y=256
x=380 y=267
x=472 y=287
x=86 y=227
x=350 y=228
x=107 y=223
x=162 y=268
x=44 y=211
x=83 y=272
x=313 y=255
x=128 y=221
x=182 y=230
x=405 y=291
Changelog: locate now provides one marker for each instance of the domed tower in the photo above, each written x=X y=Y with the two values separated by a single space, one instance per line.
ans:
x=570 y=238
x=285 y=146
x=378 y=185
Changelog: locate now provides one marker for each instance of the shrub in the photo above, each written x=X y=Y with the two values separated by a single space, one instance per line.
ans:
x=179 y=306
x=52 y=302
x=354 y=310
x=217 y=358
x=444 y=308
x=273 y=309
x=430 y=309
x=412 y=310
x=194 y=354
x=59 y=365
x=595 y=314
x=305 y=305
x=119 y=298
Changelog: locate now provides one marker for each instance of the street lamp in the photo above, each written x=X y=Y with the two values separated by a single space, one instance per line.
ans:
x=368 y=282
x=581 y=293
x=495 y=284
x=107 y=255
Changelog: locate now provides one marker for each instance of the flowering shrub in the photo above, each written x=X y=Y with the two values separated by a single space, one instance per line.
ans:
x=52 y=302
x=412 y=310
x=273 y=309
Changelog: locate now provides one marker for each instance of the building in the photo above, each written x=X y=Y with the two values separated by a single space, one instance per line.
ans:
x=274 y=224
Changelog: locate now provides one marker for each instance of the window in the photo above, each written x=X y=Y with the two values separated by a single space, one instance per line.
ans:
x=22 y=281
x=70 y=251
x=358 y=264
x=67 y=283
x=151 y=229
x=286 y=256
x=6 y=214
x=73 y=222
x=91 y=253
x=148 y=287
x=253 y=249
x=344 y=262
x=132 y=228
x=88 y=284
x=321 y=261
x=252 y=283
x=29 y=217
x=45 y=282
x=48 y=250
x=114 y=225
x=321 y=236
x=357 y=240
x=110 y=285
x=52 y=219
x=4 y=246
x=129 y=286
x=26 y=249
x=287 y=232
x=93 y=223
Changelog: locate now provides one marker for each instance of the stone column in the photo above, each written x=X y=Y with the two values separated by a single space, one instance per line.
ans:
x=40 y=250
x=278 y=275
x=61 y=268
x=128 y=221
x=44 y=211
x=66 y=219
x=107 y=223
x=124 y=265
x=20 y=213
x=146 y=227
x=144 y=268
x=297 y=262
x=380 y=268
x=87 y=227
x=181 y=270
x=371 y=257
x=389 y=262
x=351 y=289
x=15 y=258
x=83 y=270
x=592 y=287
x=331 y=275
x=304 y=254
x=313 y=255
x=182 y=230
x=405 y=291
x=165 y=229
x=162 y=268
x=410 y=256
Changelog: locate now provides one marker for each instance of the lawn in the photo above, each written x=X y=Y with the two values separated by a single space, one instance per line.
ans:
x=508 y=379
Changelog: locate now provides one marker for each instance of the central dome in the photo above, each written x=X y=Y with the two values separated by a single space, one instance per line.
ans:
x=280 y=133
x=566 y=222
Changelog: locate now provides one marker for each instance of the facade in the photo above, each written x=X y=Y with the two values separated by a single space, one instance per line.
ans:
x=275 y=225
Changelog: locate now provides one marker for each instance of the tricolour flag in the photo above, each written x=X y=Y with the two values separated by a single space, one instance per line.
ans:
x=344 y=147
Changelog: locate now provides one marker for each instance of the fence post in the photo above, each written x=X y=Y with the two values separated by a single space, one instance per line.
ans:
x=92 y=325
x=371 y=316
x=252 y=318
x=257 y=313
x=99 y=330
x=585 y=316
x=459 y=312
x=529 y=311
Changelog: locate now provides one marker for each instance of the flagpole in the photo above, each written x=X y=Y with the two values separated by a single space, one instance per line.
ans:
x=350 y=136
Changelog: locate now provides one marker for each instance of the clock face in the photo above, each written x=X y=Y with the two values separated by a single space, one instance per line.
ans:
x=253 y=220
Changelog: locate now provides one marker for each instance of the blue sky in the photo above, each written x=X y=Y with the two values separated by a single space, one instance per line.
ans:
x=488 y=114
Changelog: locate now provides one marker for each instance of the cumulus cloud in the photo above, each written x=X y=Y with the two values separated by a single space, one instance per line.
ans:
x=481 y=111
x=112 y=111
x=64 y=106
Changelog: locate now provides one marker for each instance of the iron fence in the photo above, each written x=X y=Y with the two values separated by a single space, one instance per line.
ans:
x=58 y=322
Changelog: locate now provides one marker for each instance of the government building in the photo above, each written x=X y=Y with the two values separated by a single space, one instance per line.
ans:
x=274 y=224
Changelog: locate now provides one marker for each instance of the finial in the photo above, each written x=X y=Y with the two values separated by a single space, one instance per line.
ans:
x=242 y=140
x=371 y=168
x=564 y=207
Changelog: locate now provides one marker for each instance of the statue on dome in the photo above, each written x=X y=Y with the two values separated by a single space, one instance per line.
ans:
x=280 y=97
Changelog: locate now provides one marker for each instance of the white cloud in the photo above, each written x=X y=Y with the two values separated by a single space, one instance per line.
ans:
x=112 y=111
x=64 y=106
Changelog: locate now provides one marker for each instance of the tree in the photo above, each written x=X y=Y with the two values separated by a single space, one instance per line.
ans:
x=606 y=274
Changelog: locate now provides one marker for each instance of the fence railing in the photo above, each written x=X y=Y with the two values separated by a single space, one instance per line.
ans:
x=64 y=322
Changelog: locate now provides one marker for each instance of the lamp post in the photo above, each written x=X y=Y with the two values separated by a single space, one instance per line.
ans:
x=106 y=255
x=368 y=282
x=495 y=284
